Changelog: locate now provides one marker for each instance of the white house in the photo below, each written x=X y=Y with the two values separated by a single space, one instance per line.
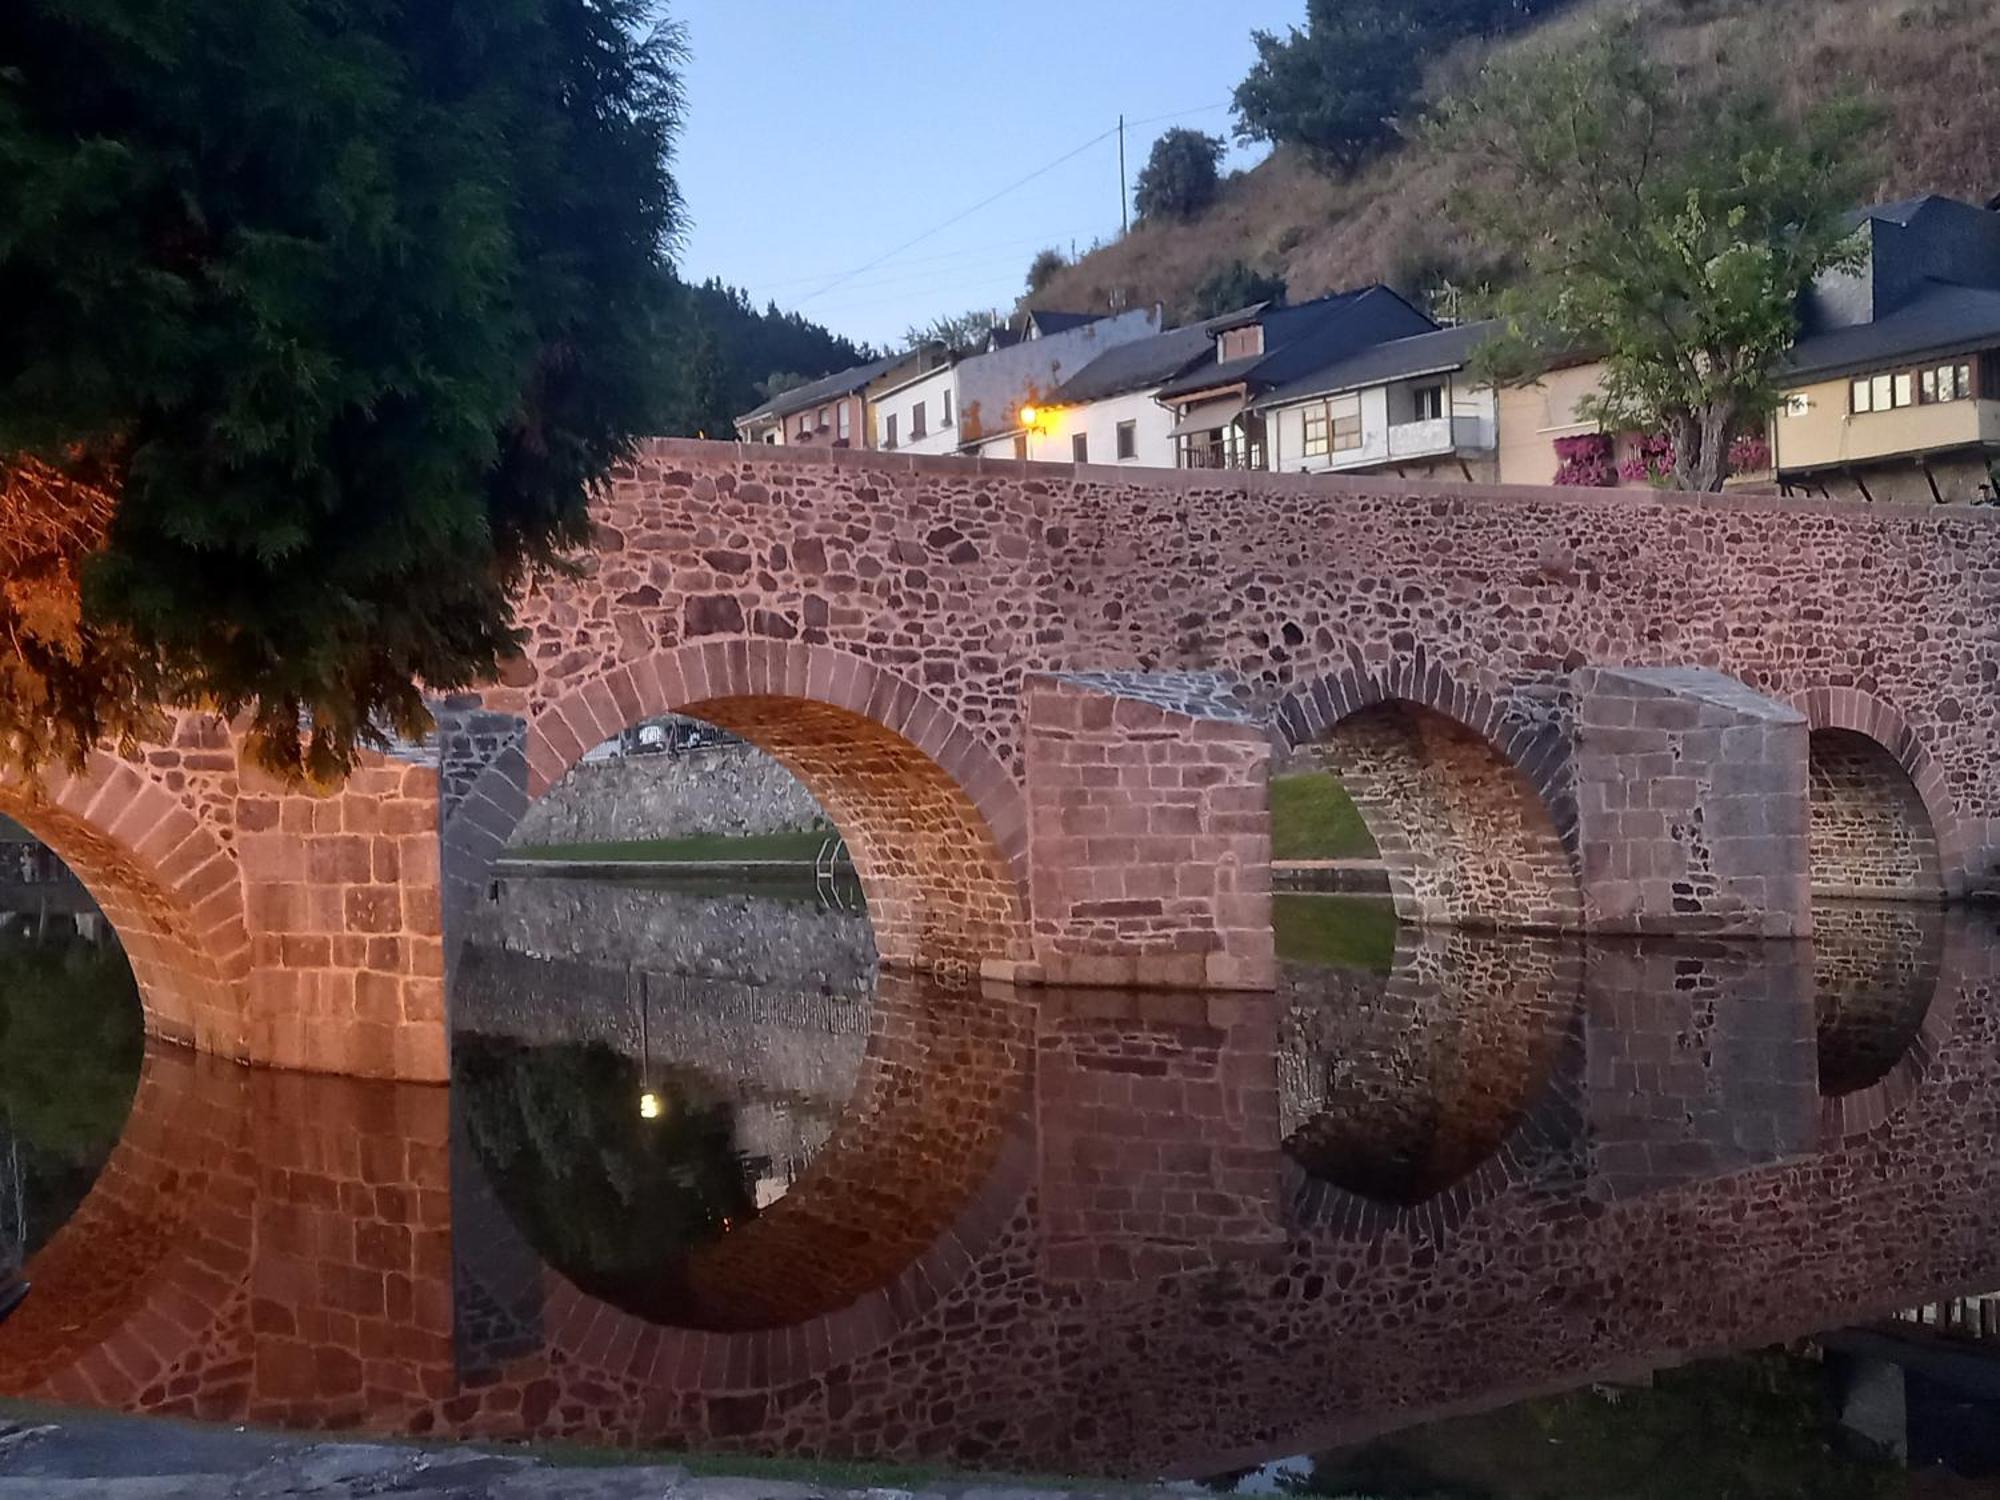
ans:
x=1405 y=406
x=1107 y=412
x=955 y=406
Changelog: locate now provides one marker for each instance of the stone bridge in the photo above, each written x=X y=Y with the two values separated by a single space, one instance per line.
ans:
x=1041 y=703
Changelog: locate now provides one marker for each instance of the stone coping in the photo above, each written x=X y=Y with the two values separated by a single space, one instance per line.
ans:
x=1251 y=481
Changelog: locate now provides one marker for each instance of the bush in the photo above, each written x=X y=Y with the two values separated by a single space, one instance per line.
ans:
x=1235 y=285
x=1182 y=176
x=1044 y=268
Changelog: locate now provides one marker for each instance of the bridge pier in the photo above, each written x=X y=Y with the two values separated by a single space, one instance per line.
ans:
x=1149 y=832
x=1691 y=805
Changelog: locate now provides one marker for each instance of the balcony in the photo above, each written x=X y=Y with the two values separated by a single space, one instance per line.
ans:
x=1437 y=436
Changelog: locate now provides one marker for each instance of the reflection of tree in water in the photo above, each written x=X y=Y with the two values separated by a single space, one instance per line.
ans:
x=71 y=1044
x=611 y=1199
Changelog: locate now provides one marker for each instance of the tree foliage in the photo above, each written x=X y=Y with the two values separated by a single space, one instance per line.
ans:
x=344 y=305
x=966 y=330
x=1044 y=268
x=1236 y=284
x=1181 y=177
x=1668 y=232
x=738 y=352
x=1338 y=87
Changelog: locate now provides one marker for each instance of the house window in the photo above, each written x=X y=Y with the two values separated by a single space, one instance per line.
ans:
x=1128 y=439
x=1079 y=448
x=844 y=418
x=1316 y=431
x=1952 y=382
x=889 y=430
x=1345 y=414
x=1021 y=445
x=945 y=419
x=917 y=428
x=805 y=428
x=1428 y=401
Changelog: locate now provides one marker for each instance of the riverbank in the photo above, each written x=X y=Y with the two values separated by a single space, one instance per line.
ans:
x=51 y=1454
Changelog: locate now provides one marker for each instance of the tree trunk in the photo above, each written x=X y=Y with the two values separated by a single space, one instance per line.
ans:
x=1701 y=446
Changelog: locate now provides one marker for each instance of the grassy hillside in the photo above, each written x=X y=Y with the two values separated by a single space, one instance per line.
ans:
x=1933 y=66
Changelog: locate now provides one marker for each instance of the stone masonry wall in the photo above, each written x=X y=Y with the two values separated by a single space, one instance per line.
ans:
x=947 y=582
x=1149 y=833
x=1870 y=832
x=732 y=790
x=1691 y=805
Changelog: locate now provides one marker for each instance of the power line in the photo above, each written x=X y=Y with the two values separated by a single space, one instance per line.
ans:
x=993 y=247
x=1042 y=171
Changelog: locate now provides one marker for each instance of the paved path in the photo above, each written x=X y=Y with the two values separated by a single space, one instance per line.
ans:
x=89 y=1457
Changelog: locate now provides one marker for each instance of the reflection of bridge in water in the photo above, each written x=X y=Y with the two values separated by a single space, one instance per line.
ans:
x=1169 y=1233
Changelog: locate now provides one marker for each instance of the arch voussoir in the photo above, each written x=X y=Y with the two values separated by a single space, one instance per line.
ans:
x=934 y=822
x=1882 y=819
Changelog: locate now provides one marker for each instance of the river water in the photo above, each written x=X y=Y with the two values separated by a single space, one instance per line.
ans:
x=706 y=1178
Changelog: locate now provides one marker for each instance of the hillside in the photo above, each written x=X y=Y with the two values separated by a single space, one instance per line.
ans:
x=1933 y=65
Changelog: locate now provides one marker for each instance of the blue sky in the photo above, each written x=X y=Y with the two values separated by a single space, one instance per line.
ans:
x=823 y=136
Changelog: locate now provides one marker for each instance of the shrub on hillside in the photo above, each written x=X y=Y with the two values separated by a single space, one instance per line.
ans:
x=1182 y=175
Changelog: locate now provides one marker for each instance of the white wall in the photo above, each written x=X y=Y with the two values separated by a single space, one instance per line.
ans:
x=1473 y=407
x=992 y=387
x=928 y=392
x=1098 y=422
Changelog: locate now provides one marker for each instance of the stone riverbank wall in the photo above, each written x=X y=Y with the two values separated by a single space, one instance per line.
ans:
x=732 y=790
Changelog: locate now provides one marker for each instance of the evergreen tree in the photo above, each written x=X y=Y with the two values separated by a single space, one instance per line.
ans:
x=321 y=318
x=1181 y=177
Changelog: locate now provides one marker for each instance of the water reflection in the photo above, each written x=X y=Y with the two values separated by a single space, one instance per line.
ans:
x=1875 y=976
x=70 y=1046
x=1395 y=1086
x=1066 y=1231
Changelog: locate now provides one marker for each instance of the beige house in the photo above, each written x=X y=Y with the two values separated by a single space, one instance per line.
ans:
x=1532 y=417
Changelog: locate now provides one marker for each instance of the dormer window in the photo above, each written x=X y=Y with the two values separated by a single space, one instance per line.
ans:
x=1242 y=343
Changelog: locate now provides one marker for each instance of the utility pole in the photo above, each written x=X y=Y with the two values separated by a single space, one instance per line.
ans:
x=1124 y=194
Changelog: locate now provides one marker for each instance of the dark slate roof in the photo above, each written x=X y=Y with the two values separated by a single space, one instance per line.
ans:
x=1299 y=340
x=840 y=383
x=1943 y=319
x=1137 y=366
x=1047 y=323
x=1398 y=359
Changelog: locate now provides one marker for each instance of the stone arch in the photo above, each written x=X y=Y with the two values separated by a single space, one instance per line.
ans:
x=1468 y=806
x=934 y=822
x=167 y=885
x=1880 y=825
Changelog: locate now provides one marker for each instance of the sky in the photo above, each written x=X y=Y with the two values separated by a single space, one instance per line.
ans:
x=829 y=144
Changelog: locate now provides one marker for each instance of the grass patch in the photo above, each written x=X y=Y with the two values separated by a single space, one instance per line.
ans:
x=1312 y=818
x=801 y=848
x=1350 y=932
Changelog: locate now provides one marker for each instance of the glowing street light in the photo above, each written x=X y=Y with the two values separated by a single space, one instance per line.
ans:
x=651 y=1106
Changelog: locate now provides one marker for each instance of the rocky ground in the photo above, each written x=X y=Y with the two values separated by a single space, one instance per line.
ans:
x=66 y=1456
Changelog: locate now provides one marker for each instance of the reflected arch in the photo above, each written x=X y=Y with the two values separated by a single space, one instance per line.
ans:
x=1408 y=1099
x=934 y=823
x=1881 y=825
x=168 y=886
x=1467 y=807
x=135 y=1284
